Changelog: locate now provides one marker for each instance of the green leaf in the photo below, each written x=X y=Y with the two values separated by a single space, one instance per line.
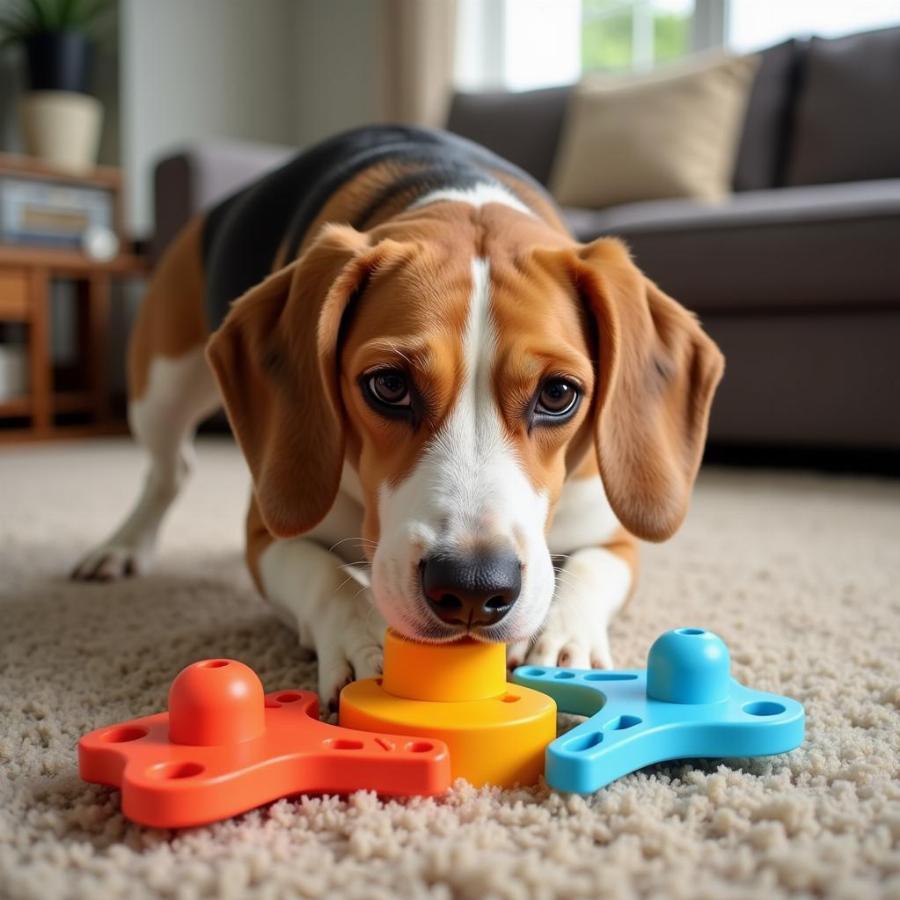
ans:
x=22 y=18
x=10 y=22
x=15 y=25
x=90 y=11
x=64 y=14
x=39 y=13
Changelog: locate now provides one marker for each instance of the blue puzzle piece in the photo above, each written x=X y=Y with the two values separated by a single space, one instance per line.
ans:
x=684 y=704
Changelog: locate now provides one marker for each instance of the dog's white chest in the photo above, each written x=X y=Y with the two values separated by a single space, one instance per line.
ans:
x=583 y=518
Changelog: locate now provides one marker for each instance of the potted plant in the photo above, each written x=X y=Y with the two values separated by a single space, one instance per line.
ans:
x=61 y=121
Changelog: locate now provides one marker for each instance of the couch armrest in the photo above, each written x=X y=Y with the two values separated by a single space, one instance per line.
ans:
x=197 y=176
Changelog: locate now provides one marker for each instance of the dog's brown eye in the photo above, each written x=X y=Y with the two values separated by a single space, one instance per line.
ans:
x=389 y=386
x=558 y=398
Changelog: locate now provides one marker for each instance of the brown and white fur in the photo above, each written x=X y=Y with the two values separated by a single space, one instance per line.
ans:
x=479 y=294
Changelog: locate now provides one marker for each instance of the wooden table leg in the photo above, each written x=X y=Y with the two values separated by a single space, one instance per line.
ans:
x=97 y=348
x=39 y=356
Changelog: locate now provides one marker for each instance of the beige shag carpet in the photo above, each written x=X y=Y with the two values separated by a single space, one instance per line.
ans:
x=799 y=574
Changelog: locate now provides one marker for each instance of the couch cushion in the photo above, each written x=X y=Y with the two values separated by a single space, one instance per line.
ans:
x=670 y=133
x=763 y=144
x=522 y=127
x=847 y=124
x=793 y=248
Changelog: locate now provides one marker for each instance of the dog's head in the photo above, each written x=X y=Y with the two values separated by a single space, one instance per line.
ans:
x=463 y=363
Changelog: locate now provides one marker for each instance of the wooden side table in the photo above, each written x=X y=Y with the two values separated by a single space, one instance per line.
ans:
x=26 y=275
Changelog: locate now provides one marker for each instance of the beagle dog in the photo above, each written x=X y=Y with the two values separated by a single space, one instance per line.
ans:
x=458 y=420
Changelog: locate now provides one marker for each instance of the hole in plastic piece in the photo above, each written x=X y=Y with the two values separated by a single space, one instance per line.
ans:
x=509 y=698
x=691 y=631
x=534 y=673
x=288 y=697
x=564 y=676
x=213 y=664
x=584 y=742
x=124 y=733
x=763 y=708
x=419 y=747
x=609 y=676
x=345 y=744
x=177 y=770
x=272 y=703
x=620 y=723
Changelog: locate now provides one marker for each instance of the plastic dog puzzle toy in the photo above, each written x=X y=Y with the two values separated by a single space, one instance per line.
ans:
x=497 y=732
x=225 y=747
x=685 y=704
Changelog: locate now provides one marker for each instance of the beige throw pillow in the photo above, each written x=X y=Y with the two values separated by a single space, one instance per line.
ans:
x=672 y=133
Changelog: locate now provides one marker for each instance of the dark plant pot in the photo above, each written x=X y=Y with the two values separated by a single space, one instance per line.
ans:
x=58 y=61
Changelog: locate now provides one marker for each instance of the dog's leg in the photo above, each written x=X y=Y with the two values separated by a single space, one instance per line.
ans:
x=328 y=603
x=179 y=394
x=596 y=577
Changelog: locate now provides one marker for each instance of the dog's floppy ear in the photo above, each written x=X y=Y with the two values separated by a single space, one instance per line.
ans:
x=657 y=372
x=276 y=360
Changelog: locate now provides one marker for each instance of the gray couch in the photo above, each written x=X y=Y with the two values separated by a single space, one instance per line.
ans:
x=796 y=276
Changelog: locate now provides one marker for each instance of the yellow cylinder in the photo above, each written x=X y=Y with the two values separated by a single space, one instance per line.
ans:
x=497 y=732
x=444 y=673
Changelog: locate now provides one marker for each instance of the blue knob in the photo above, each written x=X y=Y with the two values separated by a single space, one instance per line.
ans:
x=688 y=665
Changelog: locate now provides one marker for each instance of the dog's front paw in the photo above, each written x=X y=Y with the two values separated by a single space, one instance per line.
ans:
x=594 y=586
x=111 y=561
x=573 y=651
x=574 y=635
x=557 y=647
x=349 y=645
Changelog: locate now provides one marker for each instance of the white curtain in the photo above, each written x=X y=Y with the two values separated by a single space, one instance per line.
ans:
x=418 y=43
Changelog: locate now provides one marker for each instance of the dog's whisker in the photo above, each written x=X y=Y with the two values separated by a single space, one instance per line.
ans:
x=569 y=579
x=344 y=583
x=361 y=541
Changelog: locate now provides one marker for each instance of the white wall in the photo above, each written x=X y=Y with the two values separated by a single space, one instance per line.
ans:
x=195 y=69
x=271 y=71
x=335 y=66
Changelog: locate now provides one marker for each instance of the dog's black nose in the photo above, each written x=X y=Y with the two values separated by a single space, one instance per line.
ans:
x=472 y=590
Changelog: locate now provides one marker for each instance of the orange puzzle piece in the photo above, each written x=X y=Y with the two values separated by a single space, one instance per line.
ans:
x=225 y=747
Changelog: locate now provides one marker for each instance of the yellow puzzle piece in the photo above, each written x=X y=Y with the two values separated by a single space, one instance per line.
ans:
x=497 y=732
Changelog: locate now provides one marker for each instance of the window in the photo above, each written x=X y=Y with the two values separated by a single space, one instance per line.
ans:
x=618 y=35
x=524 y=44
x=754 y=24
x=517 y=44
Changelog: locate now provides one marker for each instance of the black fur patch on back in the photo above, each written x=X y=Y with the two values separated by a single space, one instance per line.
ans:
x=243 y=233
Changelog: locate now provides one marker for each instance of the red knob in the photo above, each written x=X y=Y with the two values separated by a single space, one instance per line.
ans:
x=214 y=702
